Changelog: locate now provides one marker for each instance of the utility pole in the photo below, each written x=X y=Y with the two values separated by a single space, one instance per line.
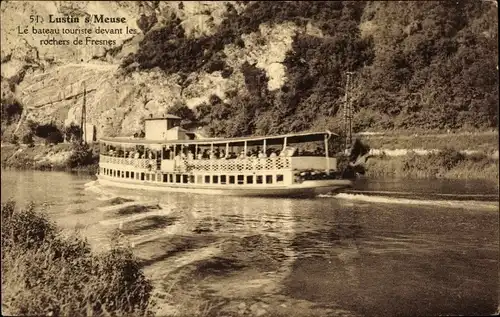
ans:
x=83 y=121
x=348 y=112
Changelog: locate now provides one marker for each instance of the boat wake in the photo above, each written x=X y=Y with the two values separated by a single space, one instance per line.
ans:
x=455 y=203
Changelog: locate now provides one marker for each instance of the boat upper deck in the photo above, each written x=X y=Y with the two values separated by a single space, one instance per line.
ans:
x=239 y=141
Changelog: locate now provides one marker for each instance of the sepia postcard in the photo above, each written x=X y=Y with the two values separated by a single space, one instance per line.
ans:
x=249 y=158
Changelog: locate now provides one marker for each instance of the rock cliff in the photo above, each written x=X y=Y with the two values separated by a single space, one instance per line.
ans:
x=303 y=50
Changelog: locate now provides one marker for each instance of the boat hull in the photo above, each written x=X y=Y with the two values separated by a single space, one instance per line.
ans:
x=305 y=189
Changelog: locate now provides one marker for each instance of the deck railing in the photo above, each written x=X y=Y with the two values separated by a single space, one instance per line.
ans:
x=206 y=165
x=234 y=165
x=222 y=165
x=137 y=163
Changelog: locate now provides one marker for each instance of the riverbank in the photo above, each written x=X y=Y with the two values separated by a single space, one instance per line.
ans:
x=445 y=164
x=397 y=155
x=461 y=155
x=56 y=157
x=485 y=142
x=45 y=272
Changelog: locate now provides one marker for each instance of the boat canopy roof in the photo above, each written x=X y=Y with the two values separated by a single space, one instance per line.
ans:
x=255 y=140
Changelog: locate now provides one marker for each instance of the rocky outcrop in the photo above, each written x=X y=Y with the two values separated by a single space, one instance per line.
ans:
x=52 y=85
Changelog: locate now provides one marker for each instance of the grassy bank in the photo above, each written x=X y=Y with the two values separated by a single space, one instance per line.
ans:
x=486 y=142
x=58 y=157
x=447 y=163
x=47 y=273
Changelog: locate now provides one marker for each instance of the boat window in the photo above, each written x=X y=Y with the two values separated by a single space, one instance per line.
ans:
x=147 y=176
x=241 y=179
x=185 y=179
x=231 y=179
x=158 y=177
x=249 y=179
x=127 y=174
x=191 y=179
x=177 y=178
x=207 y=179
x=215 y=179
x=132 y=175
x=259 y=179
x=165 y=178
x=223 y=179
x=170 y=178
x=269 y=179
x=199 y=179
x=142 y=176
x=279 y=178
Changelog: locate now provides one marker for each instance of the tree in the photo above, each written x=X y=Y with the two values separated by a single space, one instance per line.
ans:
x=11 y=110
x=184 y=112
x=28 y=139
x=72 y=133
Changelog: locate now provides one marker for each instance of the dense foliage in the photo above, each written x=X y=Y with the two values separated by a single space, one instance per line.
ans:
x=431 y=65
x=11 y=110
x=82 y=155
x=47 y=274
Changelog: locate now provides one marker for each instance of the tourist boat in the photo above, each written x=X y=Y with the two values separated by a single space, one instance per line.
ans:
x=169 y=158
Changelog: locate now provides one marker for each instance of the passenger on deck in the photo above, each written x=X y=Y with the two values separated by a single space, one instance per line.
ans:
x=273 y=154
x=136 y=155
x=261 y=155
x=190 y=155
x=319 y=152
x=242 y=155
x=222 y=155
x=283 y=152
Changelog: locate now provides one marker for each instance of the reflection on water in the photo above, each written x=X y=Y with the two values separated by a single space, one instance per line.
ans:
x=351 y=255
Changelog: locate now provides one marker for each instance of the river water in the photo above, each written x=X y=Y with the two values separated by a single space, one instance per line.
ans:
x=387 y=248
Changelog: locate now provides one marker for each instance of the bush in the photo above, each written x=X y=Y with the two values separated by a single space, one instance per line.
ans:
x=72 y=133
x=28 y=139
x=184 y=112
x=25 y=229
x=14 y=139
x=45 y=273
x=81 y=155
x=145 y=23
x=32 y=126
x=11 y=110
x=447 y=158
